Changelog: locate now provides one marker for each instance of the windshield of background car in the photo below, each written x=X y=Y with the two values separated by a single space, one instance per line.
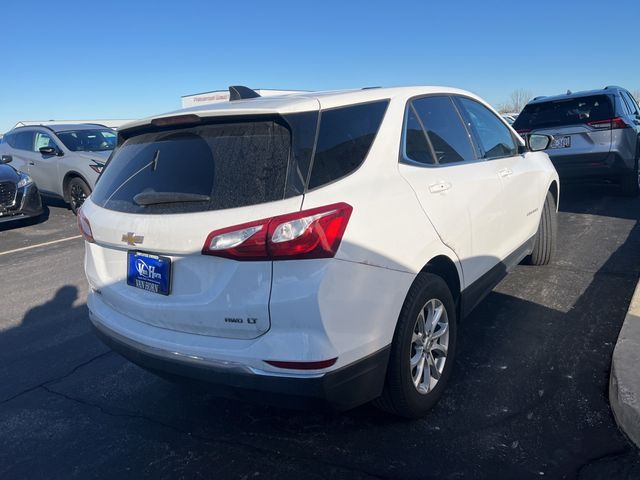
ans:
x=572 y=111
x=93 y=140
x=207 y=167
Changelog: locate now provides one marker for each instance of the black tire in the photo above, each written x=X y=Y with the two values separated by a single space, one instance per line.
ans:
x=400 y=396
x=630 y=183
x=77 y=193
x=544 y=245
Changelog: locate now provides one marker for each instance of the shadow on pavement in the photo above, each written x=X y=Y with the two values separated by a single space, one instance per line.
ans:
x=528 y=396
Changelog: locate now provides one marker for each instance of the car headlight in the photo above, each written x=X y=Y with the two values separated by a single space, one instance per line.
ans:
x=24 y=180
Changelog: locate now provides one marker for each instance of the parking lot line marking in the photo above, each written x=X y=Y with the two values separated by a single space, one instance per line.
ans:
x=40 y=245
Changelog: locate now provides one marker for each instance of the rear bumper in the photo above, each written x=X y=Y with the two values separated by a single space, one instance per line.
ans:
x=340 y=389
x=593 y=166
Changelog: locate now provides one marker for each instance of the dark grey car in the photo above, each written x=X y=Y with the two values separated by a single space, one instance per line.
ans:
x=64 y=160
x=596 y=135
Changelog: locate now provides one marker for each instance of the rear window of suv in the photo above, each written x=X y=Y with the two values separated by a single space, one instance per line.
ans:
x=572 y=111
x=208 y=167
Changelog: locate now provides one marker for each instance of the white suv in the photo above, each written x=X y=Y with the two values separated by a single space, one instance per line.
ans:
x=315 y=247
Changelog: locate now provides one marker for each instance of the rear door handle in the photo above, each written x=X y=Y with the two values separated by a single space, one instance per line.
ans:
x=505 y=172
x=439 y=187
x=31 y=163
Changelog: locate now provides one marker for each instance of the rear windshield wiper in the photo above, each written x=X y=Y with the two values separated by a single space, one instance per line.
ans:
x=155 y=198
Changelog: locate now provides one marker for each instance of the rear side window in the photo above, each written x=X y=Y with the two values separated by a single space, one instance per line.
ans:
x=23 y=140
x=633 y=109
x=345 y=137
x=445 y=131
x=570 y=111
x=416 y=143
x=207 y=167
x=491 y=134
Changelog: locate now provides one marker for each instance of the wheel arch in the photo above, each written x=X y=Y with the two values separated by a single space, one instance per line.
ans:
x=65 y=183
x=445 y=268
x=555 y=191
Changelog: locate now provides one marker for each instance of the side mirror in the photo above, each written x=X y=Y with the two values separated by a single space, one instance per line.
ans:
x=538 y=142
x=6 y=159
x=49 y=151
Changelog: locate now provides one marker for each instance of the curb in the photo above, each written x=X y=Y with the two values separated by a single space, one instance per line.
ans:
x=624 y=383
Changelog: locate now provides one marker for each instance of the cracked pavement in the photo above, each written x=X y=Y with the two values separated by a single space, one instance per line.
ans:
x=528 y=396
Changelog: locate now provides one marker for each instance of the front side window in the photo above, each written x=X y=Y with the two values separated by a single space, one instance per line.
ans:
x=43 y=140
x=492 y=136
x=445 y=132
x=93 y=140
x=345 y=137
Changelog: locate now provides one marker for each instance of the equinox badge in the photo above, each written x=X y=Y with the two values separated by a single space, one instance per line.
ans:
x=131 y=239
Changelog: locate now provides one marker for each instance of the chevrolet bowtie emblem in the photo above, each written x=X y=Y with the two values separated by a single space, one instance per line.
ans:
x=131 y=239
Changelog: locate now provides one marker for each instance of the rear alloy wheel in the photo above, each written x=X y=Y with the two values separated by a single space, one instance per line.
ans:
x=422 y=351
x=77 y=192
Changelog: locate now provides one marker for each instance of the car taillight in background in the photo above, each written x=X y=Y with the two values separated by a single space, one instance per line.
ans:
x=612 y=124
x=523 y=131
x=313 y=233
x=85 y=227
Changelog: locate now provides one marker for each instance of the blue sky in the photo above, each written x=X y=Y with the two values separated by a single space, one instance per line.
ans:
x=128 y=59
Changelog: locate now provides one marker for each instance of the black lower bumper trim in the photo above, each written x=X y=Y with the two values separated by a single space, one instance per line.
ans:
x=341 y=389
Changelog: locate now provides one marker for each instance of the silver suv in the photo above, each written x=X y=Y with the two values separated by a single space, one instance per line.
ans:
x=63 y=160
x=596 y=134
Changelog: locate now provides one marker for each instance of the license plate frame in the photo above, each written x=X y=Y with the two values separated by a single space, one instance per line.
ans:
x=149 y=272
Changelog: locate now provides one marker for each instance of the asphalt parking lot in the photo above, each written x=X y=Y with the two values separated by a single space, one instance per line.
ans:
x=528 y=398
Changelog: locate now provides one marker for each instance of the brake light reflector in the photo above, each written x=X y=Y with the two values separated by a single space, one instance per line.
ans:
x=313 y=233
x=85 y=227
x=302 y=365
x=612 y=124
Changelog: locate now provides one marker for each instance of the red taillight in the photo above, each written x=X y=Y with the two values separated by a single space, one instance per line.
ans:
x=314 y=233
x=523 y=131
x=302 y=365
x=85 y=227
x=612 y=124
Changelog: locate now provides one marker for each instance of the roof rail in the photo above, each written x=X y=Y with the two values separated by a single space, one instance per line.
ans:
x=612 y=86
x=239 y=92
x=370 y=88
x=538 y=98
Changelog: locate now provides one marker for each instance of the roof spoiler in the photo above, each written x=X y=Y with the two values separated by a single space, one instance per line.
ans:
x=238 y=92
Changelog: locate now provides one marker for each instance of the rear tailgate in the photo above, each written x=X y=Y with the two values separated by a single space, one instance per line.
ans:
x=163 y=193
x=209 y=295
x=578 y=144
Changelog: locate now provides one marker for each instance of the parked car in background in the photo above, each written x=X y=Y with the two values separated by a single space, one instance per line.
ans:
x=320 y=246
x=595 y=135
x=509 y=118
x=19 y=196
x=63 y=160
